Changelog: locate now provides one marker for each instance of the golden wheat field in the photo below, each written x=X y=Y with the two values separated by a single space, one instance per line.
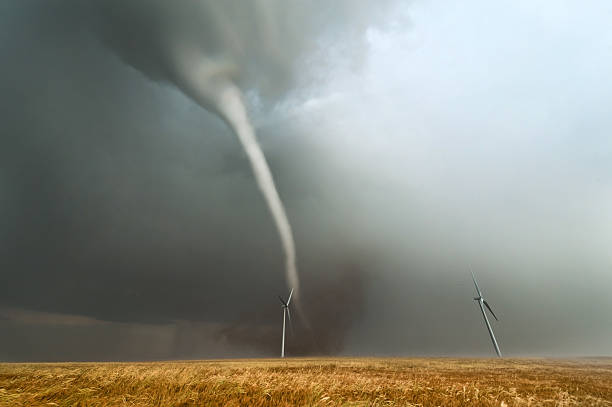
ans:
x=311 y=382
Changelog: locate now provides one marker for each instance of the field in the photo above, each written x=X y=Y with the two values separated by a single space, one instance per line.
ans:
x=311 y=382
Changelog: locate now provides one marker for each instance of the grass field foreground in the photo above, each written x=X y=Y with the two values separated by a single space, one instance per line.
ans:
x=311 y=382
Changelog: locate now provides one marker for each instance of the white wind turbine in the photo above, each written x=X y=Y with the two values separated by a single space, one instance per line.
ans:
x=482 y=301
x=286 y=312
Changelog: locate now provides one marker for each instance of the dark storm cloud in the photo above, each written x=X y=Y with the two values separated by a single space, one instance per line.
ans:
x=104 y=185
x=124 y=201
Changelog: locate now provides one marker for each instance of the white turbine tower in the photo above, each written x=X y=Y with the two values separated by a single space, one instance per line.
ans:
x=482 y=301
x=287 y=313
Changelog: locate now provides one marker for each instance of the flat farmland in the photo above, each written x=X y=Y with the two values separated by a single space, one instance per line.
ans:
x=311 y=382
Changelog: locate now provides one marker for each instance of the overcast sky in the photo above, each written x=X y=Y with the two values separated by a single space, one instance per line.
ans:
x=408 y=140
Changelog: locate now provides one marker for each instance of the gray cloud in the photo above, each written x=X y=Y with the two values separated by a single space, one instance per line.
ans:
x=409 y=141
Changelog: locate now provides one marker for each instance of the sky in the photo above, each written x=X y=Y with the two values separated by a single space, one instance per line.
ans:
x=409 y=140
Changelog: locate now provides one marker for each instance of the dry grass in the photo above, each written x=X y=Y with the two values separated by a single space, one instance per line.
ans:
x=311 y=382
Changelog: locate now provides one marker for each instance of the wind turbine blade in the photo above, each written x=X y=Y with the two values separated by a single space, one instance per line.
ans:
x=490 y=310
x=289 y=299
x=476 y=284
x=290 y=321
x=281 y=300
x=491 y=334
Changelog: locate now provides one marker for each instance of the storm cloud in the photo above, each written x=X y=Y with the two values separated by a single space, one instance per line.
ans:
x=407 y=141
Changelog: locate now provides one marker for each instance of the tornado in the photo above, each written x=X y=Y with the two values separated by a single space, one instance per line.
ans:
x=209 y=83
x=234 y=113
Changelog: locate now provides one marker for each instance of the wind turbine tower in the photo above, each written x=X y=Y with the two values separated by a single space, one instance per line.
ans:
x=286 y=313
x=481 y=301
